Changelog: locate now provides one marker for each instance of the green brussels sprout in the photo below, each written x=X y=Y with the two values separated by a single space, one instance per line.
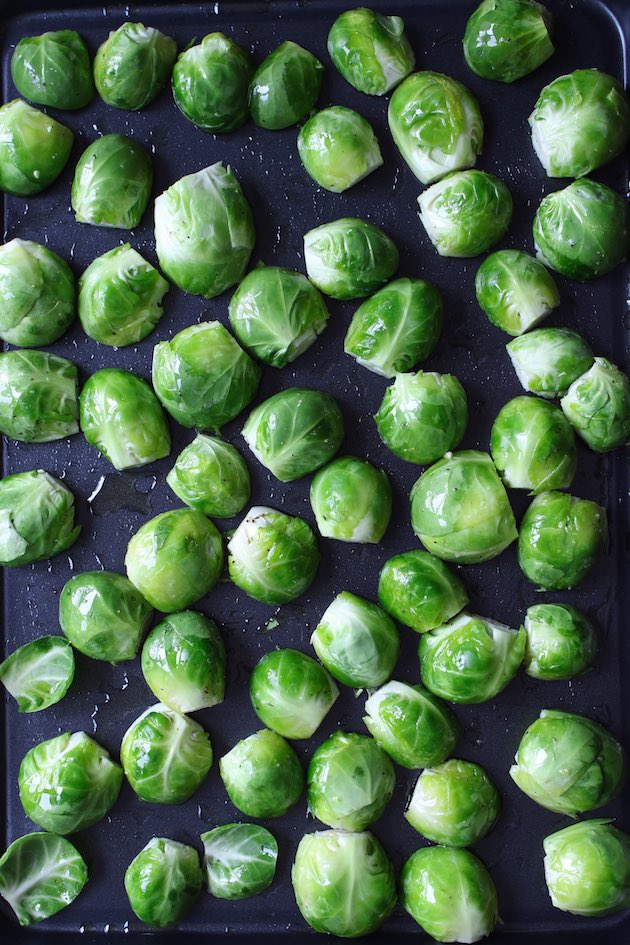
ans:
x=352 y=501
x=36 y=294
x=568 y=764
x=285 y=87
x=465 y=213
x=580 y=121
x=163 y=881
x=344 y=883
x=68 y=783
x=41 y=874
x=273 y=557
x=291 y=693
x=460 y=510
x=38 y=396
x=338 y=148
x=357 y=642
x=597 y=406
x=262 y=775
x=470 y=659
x=36 y=518
x=294 y=432
x=582 y=231
x=560 y=539
x=165 y=755
x=133 y=65
x=239 y=860
x=204 y=231
x=561 y=642
x=34 y=149
x=120 y=297
x=53 y=69
x=533 y=445
x=422 y=416
x=436 y=125
x=413 y=726
x=211 y=475
x=211 y=83
x=39 y=673
x=112 y=183
x=370 y=51
x=587 y=868
x=349 y=258
x=549 y=360
x=507 y=39
x=420 y=591
x=122 y=419
x=515 y=290
x=450 y=894
x=397 y=328
x=277 y=314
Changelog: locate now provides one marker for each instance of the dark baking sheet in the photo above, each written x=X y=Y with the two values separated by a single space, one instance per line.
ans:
x=104 y=700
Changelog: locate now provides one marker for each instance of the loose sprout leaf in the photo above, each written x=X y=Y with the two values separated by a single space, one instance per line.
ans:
x=36 y=518
x=41 y=874
x=370 y=51
x=163 y=881
x=39 y=673
x=239 y=860
x=37 y=296
x=133 y=65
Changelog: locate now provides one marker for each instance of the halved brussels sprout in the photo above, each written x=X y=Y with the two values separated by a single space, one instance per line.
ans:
x=455 y=804
x=465 y=213
x=37 y=298
x=39 y=673
x=34 y=149
x=285 y=87
x=211 y=83
x=133 y=65
x=38 y=396
x=352 y=500
x=112 y=183
x=68 y=783
x=36 y=518
x=53 y=69
x=436 y=125
x=515 y=290
x=488 y=651
x=560 y=539
x=262 y=775
x=422 y=416
x=598 y=406
x=561 y=642
x=291 y=693
x=548 y=360
x=507 y=39
x=211 y=475
x=370 y=51
x=239 y=860
x=460 y=510
x=338 y=148
x=419 y=590
x=349 y=258
x=568 y=764
x=41 y=874
x=163 y=881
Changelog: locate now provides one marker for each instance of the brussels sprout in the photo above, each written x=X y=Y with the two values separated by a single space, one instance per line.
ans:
x=580 y=121
x=41 y=874
x=204 y=231
x=38 y=396
x=239 y=860
x=36 y=518
x=533 y=445
x=120 y=297
x=39 y=673
x=397 y=328
x=112 y=183
x=582 y=231
x=548 y=360
x=68 y=783
x=420 y=591
x=211 y=475
x=285 y=87
x=470 y=659
x=165 y=755
x=465 y=213
x=422 y=416
x=352 y=500
x=36 y=294
x=294 y=432
x=561 y=642
x=122 y=419
x=211 y=83
x=344 y=883
x=515 y=290
x=133 y=65
x=507 y=39
x=436 y=125
x=560 y=539
x=338 y=148
x=34 y=149
x=568 y=763
x=277 y=314
x=460 y=510
x=163 y=881
x=598 y=406
x=370 y=51
x=587 y=868
x=262 y=775
x=53 y=69
x=455 y=804
x=450 y=894
x=349 y=258
x=273 y=557
x=413 y=726
x=291 y=693
x=175 y=558
x=357 y=642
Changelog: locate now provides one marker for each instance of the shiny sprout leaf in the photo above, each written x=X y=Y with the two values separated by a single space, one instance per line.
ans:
x=211 y=475
x=547 y=361
x=112 y=183
x=351 y=500
x=239 y=860
x=338 y=148
x=370 y=51
x=597 y=405
x=39 y=673
x=420 y=591
x=53 y=69
x=163 y=881
x=515 y=290
x=133 y=65
x=285 y=87
x=36 y=518
x=561 y=642
x=37 y=297
x=34 y=149
x=38 y=396
x=507 y=39
x=349 y=258
x=211 y=83
x=262 y=775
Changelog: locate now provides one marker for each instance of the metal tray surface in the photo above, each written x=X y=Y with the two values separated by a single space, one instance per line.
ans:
x=104 y=700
